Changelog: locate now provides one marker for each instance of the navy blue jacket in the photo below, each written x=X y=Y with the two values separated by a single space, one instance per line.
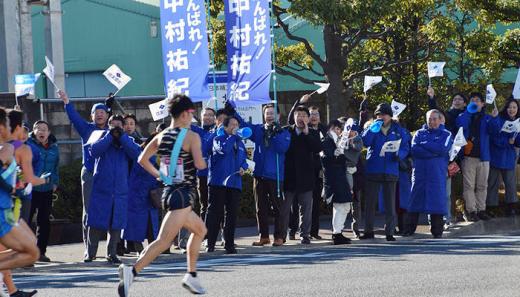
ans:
x=48 y=161
x=388 y=165
x=84 y=130
x=108 y=204
x=265 y=157
x=502 y=153
x=464 y=121
x=430 y=152
x=335 y=182
x=228 y=155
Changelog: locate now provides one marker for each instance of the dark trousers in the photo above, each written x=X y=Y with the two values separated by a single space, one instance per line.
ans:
x=372 y=196
x=203 y=195
x=412 y=219
x=221 y=198
x=316 y=199
x=266 y=197
x=42 y=201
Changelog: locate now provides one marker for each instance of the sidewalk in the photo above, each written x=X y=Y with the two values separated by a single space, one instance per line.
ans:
x=72 y=254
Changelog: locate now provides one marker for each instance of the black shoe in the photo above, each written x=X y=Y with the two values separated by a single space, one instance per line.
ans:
x=369 y=235
x=471 y=217
x=231 y=250
x=21 y=293
x=305 y=240
x=292 y=237
x=44 y=258
x=437 y=236
x=390 y=238
x=338 y=239
x=316 y=236
x=210 y=249
x=113 y=260
x=88 y=259
x=356 y=234
x=483 y=216
x=406 y=234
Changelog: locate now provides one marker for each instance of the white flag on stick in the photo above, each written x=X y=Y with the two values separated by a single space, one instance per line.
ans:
x=159 y=109
x=371 y=81
x=491 y=94
x=460 y=140
x=436 y=69
x=49 y=70
x=516 y=89
x=454 y=151
x=397 y=108
x=390 y=147
x=511 y=126
x=116 y=76
x=323 y=87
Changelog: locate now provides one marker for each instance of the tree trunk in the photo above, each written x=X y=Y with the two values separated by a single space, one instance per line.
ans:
x=335 y=65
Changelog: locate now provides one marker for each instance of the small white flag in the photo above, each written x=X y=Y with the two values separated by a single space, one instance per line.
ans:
x=511 y=126
x=49 y=70
x=390 y=147
x=345 y=135
x=397 y=108
x=516 y=89
x=116 y=76
x=436 y=69
x=491 y=94
x=454 y=151
x=24 y=83
x=159 y=109
x=371 y=81
x=95 y=136
x=460 y=140
x=323 y=87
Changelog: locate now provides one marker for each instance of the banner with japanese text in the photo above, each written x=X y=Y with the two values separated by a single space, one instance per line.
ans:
x=248 y=38
x=185 y=48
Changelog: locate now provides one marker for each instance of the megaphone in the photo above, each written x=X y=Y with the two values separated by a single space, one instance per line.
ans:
x=472 y=107
x=376 y=126
x=245 y=132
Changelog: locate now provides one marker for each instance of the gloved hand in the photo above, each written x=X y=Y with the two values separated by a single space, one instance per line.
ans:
x=229 y=107
x=109 y=101
x=116 y=133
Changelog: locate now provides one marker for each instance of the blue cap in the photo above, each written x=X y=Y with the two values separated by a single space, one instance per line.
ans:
x=98 y=106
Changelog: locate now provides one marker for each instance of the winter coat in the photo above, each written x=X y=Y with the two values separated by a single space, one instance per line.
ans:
x=502 y=153
x=464 y=121
x=108 y=204
x=386 y=167
x=84 y=130
x=335 y=183
x=48 y=161
x=269 y=155
x=299 y=162
x=140 y=209
x=430 y=152
x=405 y=171
x=227 y=157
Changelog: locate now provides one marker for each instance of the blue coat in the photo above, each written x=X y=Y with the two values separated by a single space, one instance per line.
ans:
x=84 y=130
x=108 y=204
x=48 y=161
x=430 y=152
x=265 y=156
x=464 y=121
x=140 y=209
x=388 y=165
x=405 y=176
x=503 y=154
x=228 y=155
x=335 y=182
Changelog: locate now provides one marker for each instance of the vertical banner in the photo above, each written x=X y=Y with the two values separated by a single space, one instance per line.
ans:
x=248 y=38
x=185 y=48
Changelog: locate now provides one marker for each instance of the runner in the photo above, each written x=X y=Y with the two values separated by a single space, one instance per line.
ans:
x=178 y=195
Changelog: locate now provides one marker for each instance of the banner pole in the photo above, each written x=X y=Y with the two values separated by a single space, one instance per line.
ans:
x=212 y=46
x=275 y=95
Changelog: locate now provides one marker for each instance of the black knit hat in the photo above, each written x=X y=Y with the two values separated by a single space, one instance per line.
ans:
x=384 y=108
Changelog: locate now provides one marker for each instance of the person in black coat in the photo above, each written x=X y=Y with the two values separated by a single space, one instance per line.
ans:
x=336 y=187
x=299 y=184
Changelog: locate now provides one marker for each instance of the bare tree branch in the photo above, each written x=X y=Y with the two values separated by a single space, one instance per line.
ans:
x=309 y=69
x=297 y=76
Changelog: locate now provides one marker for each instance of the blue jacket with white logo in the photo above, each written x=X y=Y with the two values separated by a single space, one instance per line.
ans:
x=228 y=155
x=502 y=153
x=48 y=161
x=464 y=120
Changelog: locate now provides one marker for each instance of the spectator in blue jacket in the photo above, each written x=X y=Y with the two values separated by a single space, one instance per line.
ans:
x=226 y=167
x=272 y=142
x=109 y=199
x=475 y=166
x=49 y=161
x=99 y=116
x=503 y=157
x=382 y=171
x=430 y=152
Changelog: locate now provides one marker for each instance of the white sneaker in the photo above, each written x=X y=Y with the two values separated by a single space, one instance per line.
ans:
x=3 y=288
x=192 y=284
x=126 y=278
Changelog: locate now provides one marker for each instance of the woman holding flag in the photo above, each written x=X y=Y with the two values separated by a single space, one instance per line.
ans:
x=503 y=140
